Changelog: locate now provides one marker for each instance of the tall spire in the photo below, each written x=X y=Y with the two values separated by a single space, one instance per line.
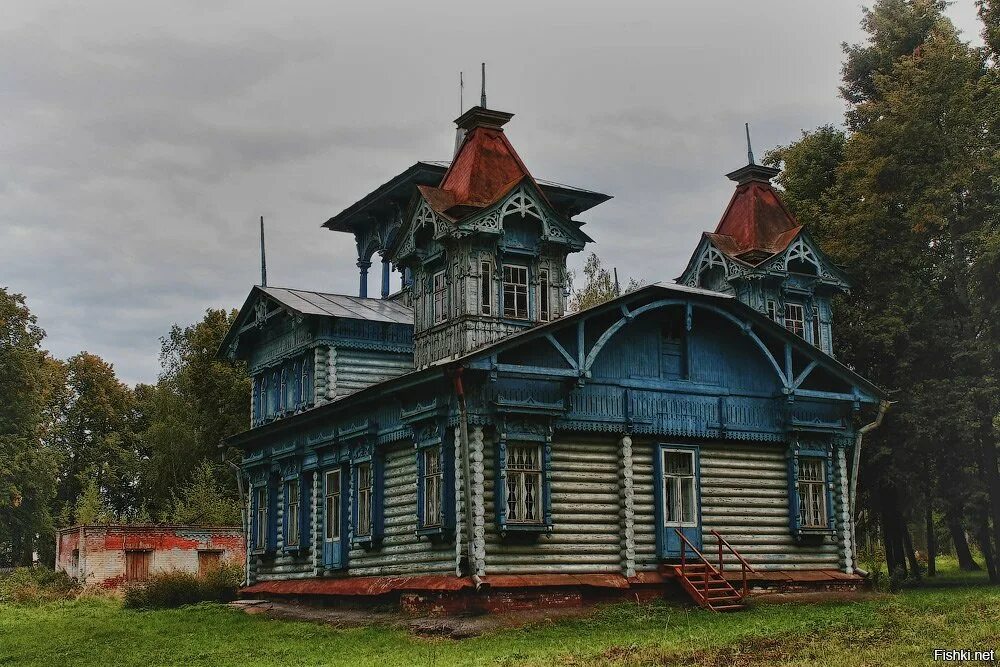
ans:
x=752 y=171
x=263 y=257
x=460 y=132
x=482 y=97
x=749 y=148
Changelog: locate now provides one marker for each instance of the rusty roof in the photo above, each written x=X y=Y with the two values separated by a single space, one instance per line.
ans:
x=756 y=225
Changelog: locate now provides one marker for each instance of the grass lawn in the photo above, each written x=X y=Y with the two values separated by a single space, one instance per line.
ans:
x=884 y=630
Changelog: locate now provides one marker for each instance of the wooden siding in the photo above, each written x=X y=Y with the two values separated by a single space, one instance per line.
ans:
x=401 y=551
x=357 y=369
x=744 y=496
x=585 y=513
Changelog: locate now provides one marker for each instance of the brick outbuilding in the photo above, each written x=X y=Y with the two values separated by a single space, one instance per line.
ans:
x=112 y=555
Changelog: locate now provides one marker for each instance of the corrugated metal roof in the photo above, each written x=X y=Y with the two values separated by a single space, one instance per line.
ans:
x=341 y=305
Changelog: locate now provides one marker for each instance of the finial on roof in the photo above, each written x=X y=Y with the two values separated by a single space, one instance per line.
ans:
x=263 y=257
x=461 y=92
x=749 y=148
x=482 y=97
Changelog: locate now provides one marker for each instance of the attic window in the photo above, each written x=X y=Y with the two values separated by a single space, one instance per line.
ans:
x=795 y=320
x=515 y=292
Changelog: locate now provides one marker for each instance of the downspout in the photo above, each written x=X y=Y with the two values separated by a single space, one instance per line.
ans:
x=883 y=407
x=243 y=512
x=463 y=430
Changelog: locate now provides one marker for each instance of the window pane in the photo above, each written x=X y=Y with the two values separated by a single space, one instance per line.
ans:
x=679 y=491
x=364 y=499
x=332 y=514
x=687 y=499
x=486 y=288
x=524 y=484
x=795 y=319
x=680 y=463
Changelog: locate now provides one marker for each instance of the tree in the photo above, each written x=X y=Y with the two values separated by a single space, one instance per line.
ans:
x=97 y=438
x=198 y=401
x=599 y=286
x=903 y=201
x=29 y=386
x=203 y=501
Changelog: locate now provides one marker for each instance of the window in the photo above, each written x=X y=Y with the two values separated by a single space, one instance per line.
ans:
x=679 y=505
x=331 y=520
x=365 y=487
x=515 y=292
x=772 y=310
x=292 y=513
x=795 y=320
x=486 y=288
x=524 y=484
x=543 y=295
x=260 y=518
x=282 y=391
x=262 y=399
x=817 y=331
x=440 y=298
x=432 y=485
x=306 y=376
x=812 y=493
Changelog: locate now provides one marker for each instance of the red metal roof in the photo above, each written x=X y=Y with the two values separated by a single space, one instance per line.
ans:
x=484 y=170
x=756 y=224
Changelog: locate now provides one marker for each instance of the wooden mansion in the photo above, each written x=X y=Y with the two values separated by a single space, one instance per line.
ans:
x=467 y=442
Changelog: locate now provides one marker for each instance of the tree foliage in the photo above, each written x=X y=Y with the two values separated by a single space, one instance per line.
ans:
x=599 y=286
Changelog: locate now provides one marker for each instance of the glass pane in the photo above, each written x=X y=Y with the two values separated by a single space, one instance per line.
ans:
x=670 y=500
x=680 y=463
x=687 y=499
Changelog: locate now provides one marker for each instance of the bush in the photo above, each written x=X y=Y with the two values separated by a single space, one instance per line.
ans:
x=27 y=585
x=176 y=588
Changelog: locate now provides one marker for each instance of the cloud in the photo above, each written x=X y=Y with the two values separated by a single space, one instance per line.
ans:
x=142 y=141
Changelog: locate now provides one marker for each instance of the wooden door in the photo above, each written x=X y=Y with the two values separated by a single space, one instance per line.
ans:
x=137 y=565
x=679 y=499
x=209 y=561
x=335 y=496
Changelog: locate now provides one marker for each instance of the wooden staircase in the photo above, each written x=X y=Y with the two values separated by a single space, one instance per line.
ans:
x=706 y=583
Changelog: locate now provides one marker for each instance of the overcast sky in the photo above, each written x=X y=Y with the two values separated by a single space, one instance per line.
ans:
x=141 y=140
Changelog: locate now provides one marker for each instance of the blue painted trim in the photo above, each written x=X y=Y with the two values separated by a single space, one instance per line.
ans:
x=660 y=511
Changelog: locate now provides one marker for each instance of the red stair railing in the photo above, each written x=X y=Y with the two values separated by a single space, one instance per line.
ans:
x=744 y=565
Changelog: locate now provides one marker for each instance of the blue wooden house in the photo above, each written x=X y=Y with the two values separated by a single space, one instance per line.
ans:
x=465 y=441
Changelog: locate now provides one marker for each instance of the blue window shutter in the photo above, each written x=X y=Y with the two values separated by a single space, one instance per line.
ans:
x=378 y=493
x=499 y=485
x=794 y=521
x=658 y=513
x=308 y=383
x=547 y=481
x=297 y=381
x=305 y=510
x=254 y=506
x=831 y=521
x=272 y=514
x=354 y=499
x=448 y=497
x=420 y=488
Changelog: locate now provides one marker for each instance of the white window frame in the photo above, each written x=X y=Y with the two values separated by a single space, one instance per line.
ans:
x=432 y=482
x=817 y=330
x=439 y=291
x=524 y=475
x=772 y=310
x=366 y=488
x=486 y=288
x=293 y=517
x=811 y=488
x=332 y=519
x=797 y=325
x=676 y=481
x=544 y=306
x=517 y=287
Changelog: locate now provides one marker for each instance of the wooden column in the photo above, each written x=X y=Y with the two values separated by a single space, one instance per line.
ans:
x=385 y=278
x=626 y=499
x=363 y=265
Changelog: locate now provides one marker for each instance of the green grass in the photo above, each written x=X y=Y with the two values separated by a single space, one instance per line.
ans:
x=897 y=629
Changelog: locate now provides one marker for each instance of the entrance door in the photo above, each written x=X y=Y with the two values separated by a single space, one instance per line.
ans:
x=137 y=565
x=679 y=501
x=335 y=495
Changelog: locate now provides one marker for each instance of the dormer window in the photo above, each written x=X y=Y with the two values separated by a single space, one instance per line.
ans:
x=440 y=289
x=795 y=320
x=515 y=292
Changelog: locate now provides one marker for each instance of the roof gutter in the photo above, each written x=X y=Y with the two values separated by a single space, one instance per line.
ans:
x=883 y=407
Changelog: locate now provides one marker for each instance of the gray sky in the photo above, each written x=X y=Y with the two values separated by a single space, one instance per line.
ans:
x=141 y=140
